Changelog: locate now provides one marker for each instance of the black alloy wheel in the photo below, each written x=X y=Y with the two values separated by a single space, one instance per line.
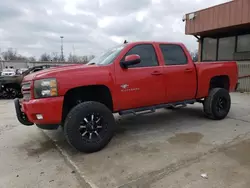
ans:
x=11 y=93
x=218 y=103
x=221 y=104
x=92 y=128
x=89 y=126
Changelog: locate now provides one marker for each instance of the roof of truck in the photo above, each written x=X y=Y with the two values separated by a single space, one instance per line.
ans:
x=157 y=42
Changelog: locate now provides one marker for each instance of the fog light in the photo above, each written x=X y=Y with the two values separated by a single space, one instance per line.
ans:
x=39 y=116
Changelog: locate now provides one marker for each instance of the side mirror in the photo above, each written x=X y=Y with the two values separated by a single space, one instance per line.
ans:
x=130 y=60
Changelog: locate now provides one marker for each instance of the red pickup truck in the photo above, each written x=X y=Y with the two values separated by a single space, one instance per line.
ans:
x=134 y=77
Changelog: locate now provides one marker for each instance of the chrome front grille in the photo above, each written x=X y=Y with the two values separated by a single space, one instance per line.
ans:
x=26 y=91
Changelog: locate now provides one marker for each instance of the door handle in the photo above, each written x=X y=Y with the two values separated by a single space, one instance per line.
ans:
x=156 y=73
x=188 y=70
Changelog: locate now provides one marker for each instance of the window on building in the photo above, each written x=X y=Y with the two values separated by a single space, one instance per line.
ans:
x=147 y=54
x=209 y=49
x=173 y=54
x=243 y=43
x=226 y=48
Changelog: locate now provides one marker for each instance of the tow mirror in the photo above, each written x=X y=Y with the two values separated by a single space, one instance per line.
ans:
x=130 y=60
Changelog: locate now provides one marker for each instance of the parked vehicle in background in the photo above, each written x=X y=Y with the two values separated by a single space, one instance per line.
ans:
x=10 y=86
x=8 y=72
x=21 y=71
x=132 y=78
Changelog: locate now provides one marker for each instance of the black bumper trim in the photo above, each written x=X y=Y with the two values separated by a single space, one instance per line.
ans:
x=22 y=118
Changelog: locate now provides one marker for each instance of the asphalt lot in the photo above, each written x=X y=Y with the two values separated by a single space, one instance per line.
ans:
x=163 y=149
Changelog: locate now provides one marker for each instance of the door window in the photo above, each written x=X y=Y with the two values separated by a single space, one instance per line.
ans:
x=173 y=54
x=147 y=54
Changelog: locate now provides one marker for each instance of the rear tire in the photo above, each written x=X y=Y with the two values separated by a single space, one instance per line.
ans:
x=89 y=127
x=217 y=104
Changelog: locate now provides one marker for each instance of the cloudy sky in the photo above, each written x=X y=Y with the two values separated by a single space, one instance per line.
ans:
x=91 y=26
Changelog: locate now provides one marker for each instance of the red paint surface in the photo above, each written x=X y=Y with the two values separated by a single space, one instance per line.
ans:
x=50 y=108
x=151 y=85
x=132 y=57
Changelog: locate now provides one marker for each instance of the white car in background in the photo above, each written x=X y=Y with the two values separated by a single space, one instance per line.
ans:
x=22 y=70
x=8 y=72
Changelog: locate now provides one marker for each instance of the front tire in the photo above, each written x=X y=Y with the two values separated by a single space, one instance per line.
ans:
x=218 y=103
x=89 y=127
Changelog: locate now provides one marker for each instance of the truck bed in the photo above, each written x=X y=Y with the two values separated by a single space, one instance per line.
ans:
x=207 y=70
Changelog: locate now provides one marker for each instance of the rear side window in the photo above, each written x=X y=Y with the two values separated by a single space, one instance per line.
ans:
x=147 y=54
x=173 y=54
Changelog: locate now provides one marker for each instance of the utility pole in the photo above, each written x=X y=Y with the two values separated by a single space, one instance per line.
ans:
x=62 y=57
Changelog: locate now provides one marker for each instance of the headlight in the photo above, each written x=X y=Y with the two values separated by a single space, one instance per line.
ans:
x=45 y=88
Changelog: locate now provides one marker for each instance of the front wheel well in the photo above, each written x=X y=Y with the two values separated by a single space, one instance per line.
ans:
x=220 y=82
x=75 y=96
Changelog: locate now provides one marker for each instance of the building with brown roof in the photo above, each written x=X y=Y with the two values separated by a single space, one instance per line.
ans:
x=223 y=33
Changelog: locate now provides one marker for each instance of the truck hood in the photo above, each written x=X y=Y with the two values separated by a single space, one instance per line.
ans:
x=53 y=72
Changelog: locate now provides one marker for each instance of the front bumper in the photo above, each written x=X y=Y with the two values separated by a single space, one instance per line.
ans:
x=22 y=118
x=49 y=108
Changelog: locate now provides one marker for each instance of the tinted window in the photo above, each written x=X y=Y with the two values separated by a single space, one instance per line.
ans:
x=35 y=70
x=173 y=54
x=243 y=44
x=209 y=49
x=147 y=54
x=226 y=48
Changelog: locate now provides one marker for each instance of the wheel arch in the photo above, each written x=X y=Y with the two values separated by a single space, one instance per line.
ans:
x=98 y=93
x=220 y=81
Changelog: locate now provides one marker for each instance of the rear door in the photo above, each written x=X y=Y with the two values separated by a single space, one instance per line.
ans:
x=179 y=74
x=142 y=84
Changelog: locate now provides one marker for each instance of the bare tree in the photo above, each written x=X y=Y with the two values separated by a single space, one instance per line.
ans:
x=32 y=59
x=91 y=57
x=10 y=54
x=84 y=59
x=73 y=58
x=20 y=57
x=55 y=57
x=45 y=57
x=194 y=55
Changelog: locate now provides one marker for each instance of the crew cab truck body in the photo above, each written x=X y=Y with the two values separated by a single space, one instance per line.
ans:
x=130 y=78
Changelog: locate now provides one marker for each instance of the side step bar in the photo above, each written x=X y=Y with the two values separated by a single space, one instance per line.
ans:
x=151 y=109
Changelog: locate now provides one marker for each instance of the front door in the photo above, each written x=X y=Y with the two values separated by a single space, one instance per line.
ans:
x=142 y=84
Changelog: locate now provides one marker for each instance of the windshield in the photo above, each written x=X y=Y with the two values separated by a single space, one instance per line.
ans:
x=108 y=57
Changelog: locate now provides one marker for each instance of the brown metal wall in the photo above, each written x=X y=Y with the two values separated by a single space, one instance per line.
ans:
x=233 y=13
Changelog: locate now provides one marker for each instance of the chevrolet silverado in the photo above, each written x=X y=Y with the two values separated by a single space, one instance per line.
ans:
x=131 y=78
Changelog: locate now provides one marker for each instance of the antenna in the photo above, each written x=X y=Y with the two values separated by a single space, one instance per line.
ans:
x=125 y=42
